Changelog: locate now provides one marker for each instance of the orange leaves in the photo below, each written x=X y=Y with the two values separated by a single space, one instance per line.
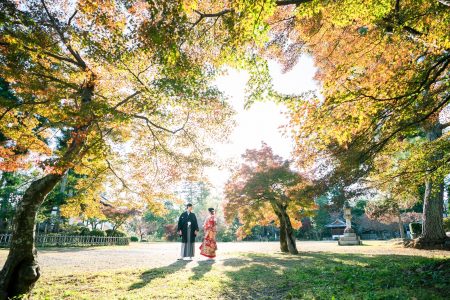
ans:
x=262 y=184
x=10 y=161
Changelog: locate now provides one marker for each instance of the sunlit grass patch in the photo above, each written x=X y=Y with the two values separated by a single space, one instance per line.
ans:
x=264 y=276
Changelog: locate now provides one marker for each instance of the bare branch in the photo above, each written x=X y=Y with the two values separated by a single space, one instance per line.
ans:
x=412 y=31
x=291 y=2
x=136 y=76
x=80 y=62
x=57 y=56
x=211 y=15
x=282 y=20
x=127 y=99
x=71 y=17
x=445 y=125
x=52 y=78
x=231 y=10
x=124 y=184
x=149 y=122
x=188 y=135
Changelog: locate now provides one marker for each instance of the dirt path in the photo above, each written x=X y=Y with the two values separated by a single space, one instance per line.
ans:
x=151 y=255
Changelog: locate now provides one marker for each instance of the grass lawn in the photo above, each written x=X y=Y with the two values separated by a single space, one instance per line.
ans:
x=309 y=275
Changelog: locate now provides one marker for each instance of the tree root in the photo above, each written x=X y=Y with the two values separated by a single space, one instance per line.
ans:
x=427 y=244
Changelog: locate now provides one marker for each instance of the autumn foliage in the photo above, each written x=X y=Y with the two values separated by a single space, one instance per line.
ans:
x=265 y=189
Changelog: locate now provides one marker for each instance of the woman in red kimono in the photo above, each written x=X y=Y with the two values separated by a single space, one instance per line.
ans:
x=209 y=245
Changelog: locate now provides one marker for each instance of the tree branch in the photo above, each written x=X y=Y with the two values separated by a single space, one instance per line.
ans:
x=71 y=17
x=118 y=177
x=210 y=15
x=54 y=79
x=57 y=56
x=127 y=99
x=231 y=10
x=80 y=62
x=291 y=2
x=379 y=146
x=445 y=125
x=149 y=122
x=412 y=31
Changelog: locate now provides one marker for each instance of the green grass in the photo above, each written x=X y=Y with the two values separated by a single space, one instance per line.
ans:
x=258 y=276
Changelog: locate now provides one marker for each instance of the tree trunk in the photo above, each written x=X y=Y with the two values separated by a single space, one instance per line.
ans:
x=21 y=270
x=290 y=237
x=433 y=234
x=288 y=244
x=283 y=241
x=400 y=224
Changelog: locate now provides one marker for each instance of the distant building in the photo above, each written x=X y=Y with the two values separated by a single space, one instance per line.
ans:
x=337 y=228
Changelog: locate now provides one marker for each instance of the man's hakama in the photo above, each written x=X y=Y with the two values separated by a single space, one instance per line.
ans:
x=188 y=226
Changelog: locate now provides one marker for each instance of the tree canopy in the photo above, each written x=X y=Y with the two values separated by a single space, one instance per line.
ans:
x=265 y=189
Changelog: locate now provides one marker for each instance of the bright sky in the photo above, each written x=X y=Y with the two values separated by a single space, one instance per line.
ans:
x=262 y=121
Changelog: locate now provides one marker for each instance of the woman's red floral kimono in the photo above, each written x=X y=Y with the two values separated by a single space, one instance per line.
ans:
x=209 y=245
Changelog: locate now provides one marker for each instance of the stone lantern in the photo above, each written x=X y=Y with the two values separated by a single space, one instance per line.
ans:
x=350 y=237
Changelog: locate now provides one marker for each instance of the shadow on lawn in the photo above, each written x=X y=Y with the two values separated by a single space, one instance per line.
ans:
x=161 y=272
x=342 y=276
x=204 y=266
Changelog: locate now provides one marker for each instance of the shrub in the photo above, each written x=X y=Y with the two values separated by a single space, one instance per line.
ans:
x=170 y=232
x=85 y=231
x=98 y=232
x=115 y=233
x=415 y=228
x=447 y=224
x=74 y=230
x=134 y=239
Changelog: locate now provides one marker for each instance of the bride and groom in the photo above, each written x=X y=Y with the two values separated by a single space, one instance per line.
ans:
x=188 y=230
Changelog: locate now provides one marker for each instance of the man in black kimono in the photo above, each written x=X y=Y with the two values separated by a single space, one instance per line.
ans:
x=187 y=229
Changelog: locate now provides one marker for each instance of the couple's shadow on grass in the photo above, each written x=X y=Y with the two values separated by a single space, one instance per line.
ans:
x=148 y=276
x=204 y=266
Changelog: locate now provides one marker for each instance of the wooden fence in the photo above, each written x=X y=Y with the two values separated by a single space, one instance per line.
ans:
x=47 y=240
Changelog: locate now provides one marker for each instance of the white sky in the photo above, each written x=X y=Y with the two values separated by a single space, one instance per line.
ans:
x=262 y=121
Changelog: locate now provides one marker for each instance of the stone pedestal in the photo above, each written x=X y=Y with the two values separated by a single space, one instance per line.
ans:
x=349 y=239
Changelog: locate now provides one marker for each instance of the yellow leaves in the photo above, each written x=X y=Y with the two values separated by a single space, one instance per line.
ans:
x=85 y=209
x=103 y=12
x=189 y=5
x=346 y=12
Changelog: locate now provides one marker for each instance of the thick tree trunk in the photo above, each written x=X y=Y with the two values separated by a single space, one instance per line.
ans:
x=21 y=270
x=283 y=240
x=290 y=236
x=433 y=234
x=287 y=237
